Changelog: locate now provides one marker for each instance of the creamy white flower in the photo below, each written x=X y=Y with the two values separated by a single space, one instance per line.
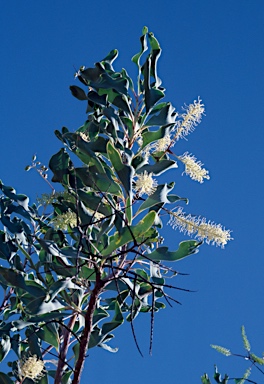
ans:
x=193 y=168
x=162 y=144
x=202 y=230
x=146 y=184
x=31 y=368
x=62 y=221
x=190 y=119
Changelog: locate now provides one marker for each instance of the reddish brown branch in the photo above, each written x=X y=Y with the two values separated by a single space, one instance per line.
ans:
x=84 y=340
x=64 y=349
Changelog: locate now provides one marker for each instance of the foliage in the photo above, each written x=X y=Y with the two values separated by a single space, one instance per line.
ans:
x=254 y=360
x=84 y=259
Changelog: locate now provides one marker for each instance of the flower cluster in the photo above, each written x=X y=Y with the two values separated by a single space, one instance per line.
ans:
x=145 y=184
x=31 y=368
x=192 y=225
x=194 y=168
x=62 y=221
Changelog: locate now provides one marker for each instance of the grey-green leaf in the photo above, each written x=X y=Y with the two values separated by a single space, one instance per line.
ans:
x=5 y=346
x=186 y=248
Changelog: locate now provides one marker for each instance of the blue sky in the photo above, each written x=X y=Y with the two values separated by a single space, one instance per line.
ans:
x=211 y=49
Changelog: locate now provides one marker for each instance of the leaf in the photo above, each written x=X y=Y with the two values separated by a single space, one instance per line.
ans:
x=49 y=333
x=99 y=314
x=59 y=165
x=118 y=286
x=158 y=168
x=150 y=136
x=10 y=192
x=61 y=285
x=16 y=345
x=144 y=47
x=5 y=346
x=129 y=213
x=124 y=172
x=97 y=99
x=166 y=116
x=186 y=248
x=33 y=342
x=152 y=95
x=78 y=92
x=90 y=158
x=12 y=225
x=98 y=182
x=66 y=378
x=76 y=350
x=7 y=248
x=16 y=279
x=116 y=321
x=4 y=379
x=110 y=58
x=155 y=54
x=95 y=338
x=218 y=378
x=65 y=252
x=125 y=76
x=100 y=79
x=39 y=306
x=88 y=273
x=94 y=202
x=108 y=348
x=46 y=317
x=159 y=196
x=121 y=101
x=125 y=236
x=43 y=380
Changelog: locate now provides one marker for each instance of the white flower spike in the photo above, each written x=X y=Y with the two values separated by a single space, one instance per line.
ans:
x=191 y=118
x=193 y=168
x=192 y=225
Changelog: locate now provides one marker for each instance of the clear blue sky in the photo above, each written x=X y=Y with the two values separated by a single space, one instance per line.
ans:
x=212 y=49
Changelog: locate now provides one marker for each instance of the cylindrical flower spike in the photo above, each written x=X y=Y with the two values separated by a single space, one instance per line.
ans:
x=191 y=119
x=192 y=225
x=193 y=168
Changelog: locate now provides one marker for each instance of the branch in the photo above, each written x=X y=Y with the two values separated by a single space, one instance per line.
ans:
x=64 y=349
x=84 y=340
